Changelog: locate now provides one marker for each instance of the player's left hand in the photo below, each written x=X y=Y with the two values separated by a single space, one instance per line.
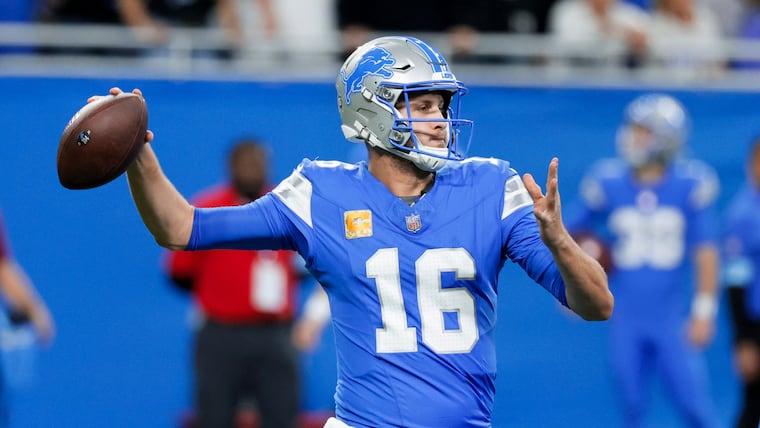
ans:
x=307 y=334
x=701 y=331
x=547 y=208
x=43 y=324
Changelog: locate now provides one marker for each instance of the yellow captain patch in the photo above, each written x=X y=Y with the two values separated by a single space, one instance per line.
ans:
x=358 y=223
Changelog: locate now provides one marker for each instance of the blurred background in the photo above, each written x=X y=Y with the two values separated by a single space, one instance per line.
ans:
x=214 y=71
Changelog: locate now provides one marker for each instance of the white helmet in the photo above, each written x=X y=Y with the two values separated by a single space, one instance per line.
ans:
x=668 y=123
x=375 y=77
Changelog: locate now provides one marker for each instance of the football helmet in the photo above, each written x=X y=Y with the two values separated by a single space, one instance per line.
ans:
x=387 y=70
x=668 y=125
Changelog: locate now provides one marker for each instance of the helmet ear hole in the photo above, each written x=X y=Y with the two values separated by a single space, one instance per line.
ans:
x=385 y=93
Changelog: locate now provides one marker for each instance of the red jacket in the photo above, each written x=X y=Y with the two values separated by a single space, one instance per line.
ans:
x=237 y=286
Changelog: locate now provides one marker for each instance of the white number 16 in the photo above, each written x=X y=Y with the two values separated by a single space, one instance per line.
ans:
x=433 y=301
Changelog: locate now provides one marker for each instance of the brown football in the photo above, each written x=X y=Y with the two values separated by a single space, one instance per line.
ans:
x=101 y=141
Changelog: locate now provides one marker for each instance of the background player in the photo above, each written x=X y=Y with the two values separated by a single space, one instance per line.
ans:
x=398 y=243
x=657 y=213
x=247 y=299
x=22 y=304
x=741 y=248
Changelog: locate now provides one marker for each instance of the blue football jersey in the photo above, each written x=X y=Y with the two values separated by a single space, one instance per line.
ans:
x=412 y=289
x=741 y=246
x=652 y=230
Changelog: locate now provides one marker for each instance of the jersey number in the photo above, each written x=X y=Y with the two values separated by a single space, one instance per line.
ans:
x=433 y=301
x=655 y=239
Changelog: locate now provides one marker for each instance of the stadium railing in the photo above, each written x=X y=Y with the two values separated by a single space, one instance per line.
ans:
x=97 y=50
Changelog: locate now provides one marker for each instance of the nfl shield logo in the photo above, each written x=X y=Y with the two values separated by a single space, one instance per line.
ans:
x=413 y=223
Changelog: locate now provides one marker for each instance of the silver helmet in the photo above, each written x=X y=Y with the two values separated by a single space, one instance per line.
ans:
x=383 y=72
x=667 y=121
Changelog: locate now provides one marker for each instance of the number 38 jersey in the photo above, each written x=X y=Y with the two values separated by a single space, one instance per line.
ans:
x=653 y=230
x=412 y=289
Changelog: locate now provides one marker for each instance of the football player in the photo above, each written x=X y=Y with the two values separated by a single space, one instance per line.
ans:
x=408 y=245
x=657 y=211
x=741 y=276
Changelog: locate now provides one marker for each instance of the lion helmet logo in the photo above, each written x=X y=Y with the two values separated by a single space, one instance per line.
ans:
x=374 y=62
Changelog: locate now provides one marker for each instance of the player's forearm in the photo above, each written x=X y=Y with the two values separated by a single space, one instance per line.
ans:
x=165 y=212
x=17 y=289
x=706 y=293
x=586 y=287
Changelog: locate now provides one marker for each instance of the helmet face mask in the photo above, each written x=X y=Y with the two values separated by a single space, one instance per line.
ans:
x=389 y=72
x=654 y=130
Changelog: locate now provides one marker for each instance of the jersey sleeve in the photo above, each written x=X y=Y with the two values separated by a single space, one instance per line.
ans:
x=582 y=213
x=259 y=225
x=704 y=192
x=523 y=244
x=706 y=187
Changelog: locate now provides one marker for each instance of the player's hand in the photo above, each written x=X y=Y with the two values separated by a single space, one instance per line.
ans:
x=43 y=325
x=701 y=331
x=547 y=208
x=116 y=91
x=307 y=334
x=747 y=360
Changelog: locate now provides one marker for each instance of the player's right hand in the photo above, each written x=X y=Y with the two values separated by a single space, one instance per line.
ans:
x=116 y=91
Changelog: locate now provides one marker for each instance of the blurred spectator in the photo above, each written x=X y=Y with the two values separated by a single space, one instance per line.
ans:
x=749 y=30
x=289 y=25
x=593 y=30
x=244 y=346
x=729 y=13
x=101 y=12
x=461 y=23
x=78 y=12
x=22 y=304
x=656 y=212
x=357 y=22
x=741 y=278
x=686 y=40
x=153 y=20
x=515 y=16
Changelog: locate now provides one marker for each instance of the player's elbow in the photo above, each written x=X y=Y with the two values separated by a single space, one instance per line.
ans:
x=601 y=309
x=173 y=232
x=169 y=244
x=171 y=240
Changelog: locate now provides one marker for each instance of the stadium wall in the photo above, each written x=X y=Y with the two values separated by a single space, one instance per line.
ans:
x=121 y=358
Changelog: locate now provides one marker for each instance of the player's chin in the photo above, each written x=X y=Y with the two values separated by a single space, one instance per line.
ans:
x=434 y=143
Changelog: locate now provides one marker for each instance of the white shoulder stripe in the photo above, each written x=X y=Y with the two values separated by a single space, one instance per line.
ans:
x=295 y=192
x=515 y=196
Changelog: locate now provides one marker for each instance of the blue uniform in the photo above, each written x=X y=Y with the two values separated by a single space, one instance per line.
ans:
x=652 y=230
x=741 y=247
x=412 y=288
